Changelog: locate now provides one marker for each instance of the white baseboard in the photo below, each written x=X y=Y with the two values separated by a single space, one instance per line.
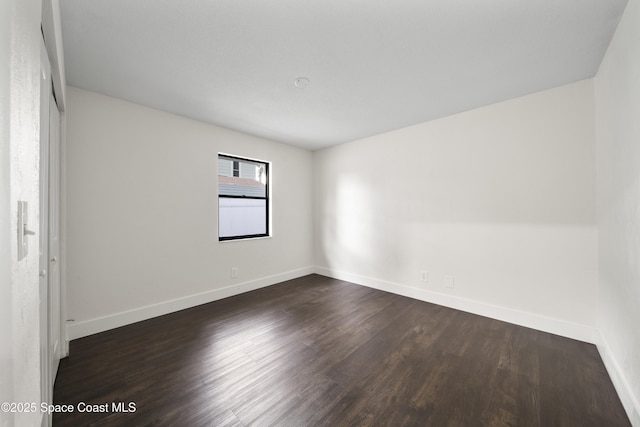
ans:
x=517 y=317
x=101 y=324
x=630 y=402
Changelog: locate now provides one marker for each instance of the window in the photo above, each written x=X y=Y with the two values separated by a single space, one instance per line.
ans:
x=243 y=198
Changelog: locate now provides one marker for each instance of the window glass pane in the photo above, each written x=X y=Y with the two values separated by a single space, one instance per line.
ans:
x=241 y=178
x=242 y=217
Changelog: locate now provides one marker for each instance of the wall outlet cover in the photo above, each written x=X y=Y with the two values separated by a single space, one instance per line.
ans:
x=449 y=281
x=424 y=276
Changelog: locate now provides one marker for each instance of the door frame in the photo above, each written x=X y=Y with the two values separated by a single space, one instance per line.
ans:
x=54 y=278
x=52 y=336
x=52 y=33
x=46 y=389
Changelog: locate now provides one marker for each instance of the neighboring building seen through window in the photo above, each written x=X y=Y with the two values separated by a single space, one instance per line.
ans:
x=243 y=198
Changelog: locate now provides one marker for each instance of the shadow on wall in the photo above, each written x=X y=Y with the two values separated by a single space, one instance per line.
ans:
x=501 y=198
x=357 y=229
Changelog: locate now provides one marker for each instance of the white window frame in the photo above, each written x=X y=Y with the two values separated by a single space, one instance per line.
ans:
x=267 y=198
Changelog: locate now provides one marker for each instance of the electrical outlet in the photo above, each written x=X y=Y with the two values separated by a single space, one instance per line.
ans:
x=234 y=272
x=424 y=276
x=449 y=282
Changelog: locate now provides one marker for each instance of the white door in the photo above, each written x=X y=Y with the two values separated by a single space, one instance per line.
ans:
x=54 y=239
x=43 y=238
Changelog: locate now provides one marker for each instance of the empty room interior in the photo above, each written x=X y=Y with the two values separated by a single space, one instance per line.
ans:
x=332 y=213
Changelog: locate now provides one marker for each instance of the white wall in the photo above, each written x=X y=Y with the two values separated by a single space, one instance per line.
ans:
x=142 y=213
x=19 y=157
x=501 y=197
x=618 y=207
x=6 y=333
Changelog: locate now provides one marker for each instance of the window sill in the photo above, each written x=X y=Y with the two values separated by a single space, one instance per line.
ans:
x=244 y=239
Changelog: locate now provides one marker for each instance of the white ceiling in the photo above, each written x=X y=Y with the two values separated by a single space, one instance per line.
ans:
x=373 y=66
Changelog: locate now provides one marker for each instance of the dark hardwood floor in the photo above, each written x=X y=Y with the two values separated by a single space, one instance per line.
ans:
x=321 y=352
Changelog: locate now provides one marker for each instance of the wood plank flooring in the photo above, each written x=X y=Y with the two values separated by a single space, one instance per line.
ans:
x=316 y=351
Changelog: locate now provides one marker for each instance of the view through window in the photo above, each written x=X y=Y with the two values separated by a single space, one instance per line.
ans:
x=243 y=198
